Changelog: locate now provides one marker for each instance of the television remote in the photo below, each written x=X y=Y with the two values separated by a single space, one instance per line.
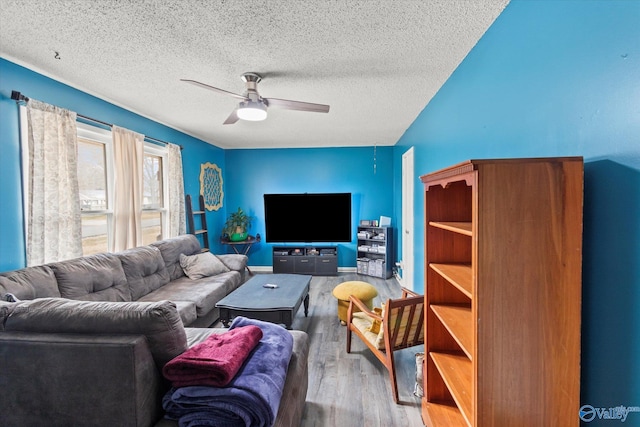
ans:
x=270 y=285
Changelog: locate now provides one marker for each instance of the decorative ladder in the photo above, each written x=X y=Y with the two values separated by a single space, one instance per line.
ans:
x=191 y=214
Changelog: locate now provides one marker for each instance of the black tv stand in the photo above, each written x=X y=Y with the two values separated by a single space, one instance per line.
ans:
x=314 y=260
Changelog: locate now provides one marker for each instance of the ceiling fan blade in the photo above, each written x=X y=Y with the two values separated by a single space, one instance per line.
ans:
x=296 y=105
x=233 y=117
x=215 y=89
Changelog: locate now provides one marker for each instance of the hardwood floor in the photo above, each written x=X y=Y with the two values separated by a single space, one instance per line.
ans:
x=352 y=389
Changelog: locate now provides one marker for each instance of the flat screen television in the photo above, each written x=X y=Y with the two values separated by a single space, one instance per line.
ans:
x=308 y=217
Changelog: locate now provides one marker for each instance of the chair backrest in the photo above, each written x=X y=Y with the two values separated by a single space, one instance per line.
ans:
x=403 y=321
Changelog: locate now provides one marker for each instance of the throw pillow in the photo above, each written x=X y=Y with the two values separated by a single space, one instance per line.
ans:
x=375 y=325
x=202 y=265
x=380 y=340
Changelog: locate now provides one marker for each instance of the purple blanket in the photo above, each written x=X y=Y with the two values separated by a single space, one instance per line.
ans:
x=215 y=361
x=251 y=398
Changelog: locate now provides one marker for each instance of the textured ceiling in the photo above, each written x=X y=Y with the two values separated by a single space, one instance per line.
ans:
x=377 y=63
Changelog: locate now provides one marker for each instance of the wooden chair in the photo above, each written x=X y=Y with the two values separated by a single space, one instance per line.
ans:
x=400 y=326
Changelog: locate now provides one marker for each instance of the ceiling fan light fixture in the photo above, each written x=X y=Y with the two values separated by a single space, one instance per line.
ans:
x=252 y=106
x=252 y=111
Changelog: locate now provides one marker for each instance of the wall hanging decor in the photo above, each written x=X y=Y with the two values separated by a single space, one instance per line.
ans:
x=211 y=186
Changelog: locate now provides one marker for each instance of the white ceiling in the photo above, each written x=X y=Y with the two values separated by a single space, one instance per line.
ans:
x=377 y=63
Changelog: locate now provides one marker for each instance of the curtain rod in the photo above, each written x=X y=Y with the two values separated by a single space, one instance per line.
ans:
x=18 y=97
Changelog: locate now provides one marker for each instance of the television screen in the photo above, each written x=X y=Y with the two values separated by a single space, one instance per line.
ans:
x=308 y=217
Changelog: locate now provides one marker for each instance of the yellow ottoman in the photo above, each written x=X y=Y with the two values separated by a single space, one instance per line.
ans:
x=364 y=291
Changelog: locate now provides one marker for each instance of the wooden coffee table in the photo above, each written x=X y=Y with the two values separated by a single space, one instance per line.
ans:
x=272 y=304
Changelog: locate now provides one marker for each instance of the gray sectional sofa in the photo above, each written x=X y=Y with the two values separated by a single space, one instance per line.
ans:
x=146 y=273
x=87 y=342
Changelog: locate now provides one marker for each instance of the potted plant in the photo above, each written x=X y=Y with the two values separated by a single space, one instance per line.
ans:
x=237 y=226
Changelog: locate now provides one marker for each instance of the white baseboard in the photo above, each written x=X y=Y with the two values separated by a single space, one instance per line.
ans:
x=269 y=269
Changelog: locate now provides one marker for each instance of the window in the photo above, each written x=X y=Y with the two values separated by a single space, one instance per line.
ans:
x=96 y=179
x=95 y=175
x=154 y=214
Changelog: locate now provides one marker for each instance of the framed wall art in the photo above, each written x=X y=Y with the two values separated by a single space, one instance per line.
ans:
x=211 y=186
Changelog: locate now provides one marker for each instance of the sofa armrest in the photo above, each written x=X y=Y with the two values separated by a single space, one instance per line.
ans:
x=78 y=379
x=234 y=262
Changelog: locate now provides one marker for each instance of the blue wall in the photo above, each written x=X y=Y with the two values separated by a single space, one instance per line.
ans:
x=34 y=85
x=252 y=173
x=559 y=78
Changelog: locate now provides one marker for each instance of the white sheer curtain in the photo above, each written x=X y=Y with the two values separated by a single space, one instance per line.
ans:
x=128 y=150
x=177 y=216
x=54 y=226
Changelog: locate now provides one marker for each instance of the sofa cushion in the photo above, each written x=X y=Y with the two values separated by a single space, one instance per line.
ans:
x=202 y=265
x=205 y=292
x=198 y=335
x=158 y=321
x=186 y=310
x=97 y=277
x=171 y=249
x=30 y=283
x=144 y=269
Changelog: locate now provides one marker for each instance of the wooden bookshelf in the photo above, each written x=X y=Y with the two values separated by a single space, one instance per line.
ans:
x=456 y=227
x=443 y=414
x=459 y=275
x=458 y=320
x=503 y=245
x=457 y=372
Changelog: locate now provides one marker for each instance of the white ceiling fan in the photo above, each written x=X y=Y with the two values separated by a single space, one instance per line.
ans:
x=253 y=107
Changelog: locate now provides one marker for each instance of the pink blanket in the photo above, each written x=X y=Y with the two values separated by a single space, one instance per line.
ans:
x=215 y=361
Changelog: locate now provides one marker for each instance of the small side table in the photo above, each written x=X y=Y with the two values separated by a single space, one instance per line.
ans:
x=242 y=247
